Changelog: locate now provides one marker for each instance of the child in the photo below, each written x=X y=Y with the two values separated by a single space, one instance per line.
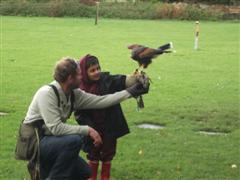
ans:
x=110 y=122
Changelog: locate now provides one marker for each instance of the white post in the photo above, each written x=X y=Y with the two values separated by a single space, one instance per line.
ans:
x=196 y=35
x=97 y=10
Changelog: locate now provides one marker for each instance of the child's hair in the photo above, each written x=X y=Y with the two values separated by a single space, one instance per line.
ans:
x=92 y=60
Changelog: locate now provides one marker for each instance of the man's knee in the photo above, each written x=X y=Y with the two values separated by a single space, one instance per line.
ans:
x=69 y=142
x=59 y=142
x=74 y=140
x=52 y=147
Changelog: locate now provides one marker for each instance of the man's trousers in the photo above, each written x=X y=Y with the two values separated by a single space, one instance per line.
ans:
x=59 y=158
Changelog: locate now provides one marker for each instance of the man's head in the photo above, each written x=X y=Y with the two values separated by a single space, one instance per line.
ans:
x=67 y=71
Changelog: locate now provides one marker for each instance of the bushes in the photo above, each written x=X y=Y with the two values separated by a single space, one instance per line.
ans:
x=139 y=10
x=173 y=11
x=127 y=10
x=226 y=2
x=56 y=8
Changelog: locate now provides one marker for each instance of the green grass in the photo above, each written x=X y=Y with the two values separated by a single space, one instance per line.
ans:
x=191 y=90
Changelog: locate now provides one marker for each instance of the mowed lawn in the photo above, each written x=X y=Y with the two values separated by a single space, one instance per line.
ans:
x=190 y=91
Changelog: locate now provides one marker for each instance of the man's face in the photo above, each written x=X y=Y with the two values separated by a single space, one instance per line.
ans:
x=76 y=79
x=93 y=72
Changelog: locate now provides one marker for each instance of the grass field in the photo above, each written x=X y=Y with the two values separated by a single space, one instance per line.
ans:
x=191 y=90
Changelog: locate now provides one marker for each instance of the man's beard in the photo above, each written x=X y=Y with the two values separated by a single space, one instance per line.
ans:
x=74 y=86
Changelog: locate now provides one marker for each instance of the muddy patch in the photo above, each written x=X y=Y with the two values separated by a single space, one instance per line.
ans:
x=212 y=132
x=150 y=126
x=3 y=114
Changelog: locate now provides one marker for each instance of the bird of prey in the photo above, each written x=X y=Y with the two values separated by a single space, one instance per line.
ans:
x=144 y=55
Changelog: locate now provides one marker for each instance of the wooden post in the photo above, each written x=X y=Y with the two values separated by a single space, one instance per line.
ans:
x=97 y=10
x=196 y=35
x=1 y=56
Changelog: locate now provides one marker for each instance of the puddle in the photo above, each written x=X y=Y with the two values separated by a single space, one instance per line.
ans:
x=3 y=114
x=150 y=126
x=212 y=133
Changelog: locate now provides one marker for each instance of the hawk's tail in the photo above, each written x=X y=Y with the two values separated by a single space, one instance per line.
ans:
x=166 y=46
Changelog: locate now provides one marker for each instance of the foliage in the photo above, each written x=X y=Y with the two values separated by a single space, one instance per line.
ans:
x=191 y=90
x=140 y=10
x=91 y=2
x=226 y=2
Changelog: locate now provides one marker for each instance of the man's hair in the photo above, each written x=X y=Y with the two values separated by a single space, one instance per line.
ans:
x=64 y=68
x=92 y=60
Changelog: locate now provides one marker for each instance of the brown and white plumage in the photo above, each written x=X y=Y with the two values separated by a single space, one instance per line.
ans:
x=144 y=55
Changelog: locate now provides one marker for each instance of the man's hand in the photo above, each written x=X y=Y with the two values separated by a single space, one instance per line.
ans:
x=138 y=89
x=97 y=140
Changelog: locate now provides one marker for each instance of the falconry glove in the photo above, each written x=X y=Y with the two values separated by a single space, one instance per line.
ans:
x=138 y=89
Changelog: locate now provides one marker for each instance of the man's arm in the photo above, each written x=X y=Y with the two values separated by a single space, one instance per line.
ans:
x=52 y=117
x=51 y=114
x=85 y=100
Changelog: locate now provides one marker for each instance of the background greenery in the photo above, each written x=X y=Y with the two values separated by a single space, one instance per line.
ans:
x=191 y=90
x=227 y=2
x=129 y=10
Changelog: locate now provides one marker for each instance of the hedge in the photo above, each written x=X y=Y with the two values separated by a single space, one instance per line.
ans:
x=140 y=10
